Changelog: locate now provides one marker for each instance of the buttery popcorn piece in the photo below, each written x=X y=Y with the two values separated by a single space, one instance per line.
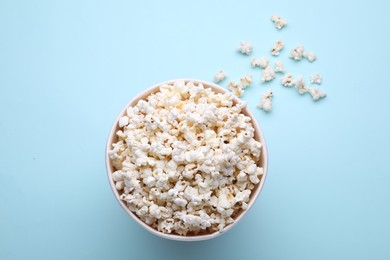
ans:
x=279 y=67
x=287 y=80
x=278 y=21
x=300 y=85
x=221 y=75
x=316 y=79
x=268 y=74
x=278 y=46
x=245 y=48
x=236 y=88
x=255 y=62
x=266 y=101
x=310 y=56
x=261 y=62
x=123 y=121
x=246 y=81
x=297 y=53
x=316 y=93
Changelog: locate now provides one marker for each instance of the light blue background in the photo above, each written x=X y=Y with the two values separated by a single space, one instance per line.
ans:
x=68 y=67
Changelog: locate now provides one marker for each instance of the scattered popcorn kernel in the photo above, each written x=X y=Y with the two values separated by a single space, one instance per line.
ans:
x=221 y=75
x=266 y=101
x=268 y=74
x=278 y=21
x=297 y=53
x=245 y=48
x=287 y=80
x=300 y=85
x=260 y=62
x=246 y=81
x=263 y=62
x=310 y=56
x=239 y=91
x=255 y=62
x=279 y=67
x=316 y=79
x=236 y=88
x=232 y=84
x=278 y=46
x=316 y=93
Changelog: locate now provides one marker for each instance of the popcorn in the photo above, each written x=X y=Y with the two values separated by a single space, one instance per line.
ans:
x=266 y=101
x=268 y=74
x=310 y=56
x=180 y=202
x=192 y=221
x=117 y=176
x=246 y=80
x=315 y=79
x=245 y=48
x=297 y=53
x=221 y=75
x=155 y=211
x=278 y=21
x=287 y=80
x=177 y=155
x=236 y=88
x=123 y=121
x=119 y=185
x=166 y=225
x=301 y=86
x=279 y=67
x=255 y=62
x=232 y=85
x=261 y=62
x=278 y=46
x=150 y=181
x=143 y=211
x=316 y=93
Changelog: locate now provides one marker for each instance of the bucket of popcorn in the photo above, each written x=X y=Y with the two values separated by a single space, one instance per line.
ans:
x=186 y=160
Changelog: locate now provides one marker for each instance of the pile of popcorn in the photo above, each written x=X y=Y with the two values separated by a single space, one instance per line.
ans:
x=186 y=159
x=268 y=71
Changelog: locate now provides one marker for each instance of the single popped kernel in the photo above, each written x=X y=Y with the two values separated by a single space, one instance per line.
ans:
x=316 y=79
x=287 y=80
x=278 y=46
x=268 y=74
x=239 y=91
x=279 y=67
x=310 y=56
x=278 y=21
x=245 y=48
x=221 y=75
x=236 y=88
x=266 y=101
x=123 y=121
x=297 y=53
x=261 y=62
x=300 y=85
x=232 y=84
x=316 y=93
x=255 y=62
x=246 y=81
x=264 y=62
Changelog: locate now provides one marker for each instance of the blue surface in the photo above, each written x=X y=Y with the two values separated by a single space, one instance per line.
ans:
x=67 y=68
